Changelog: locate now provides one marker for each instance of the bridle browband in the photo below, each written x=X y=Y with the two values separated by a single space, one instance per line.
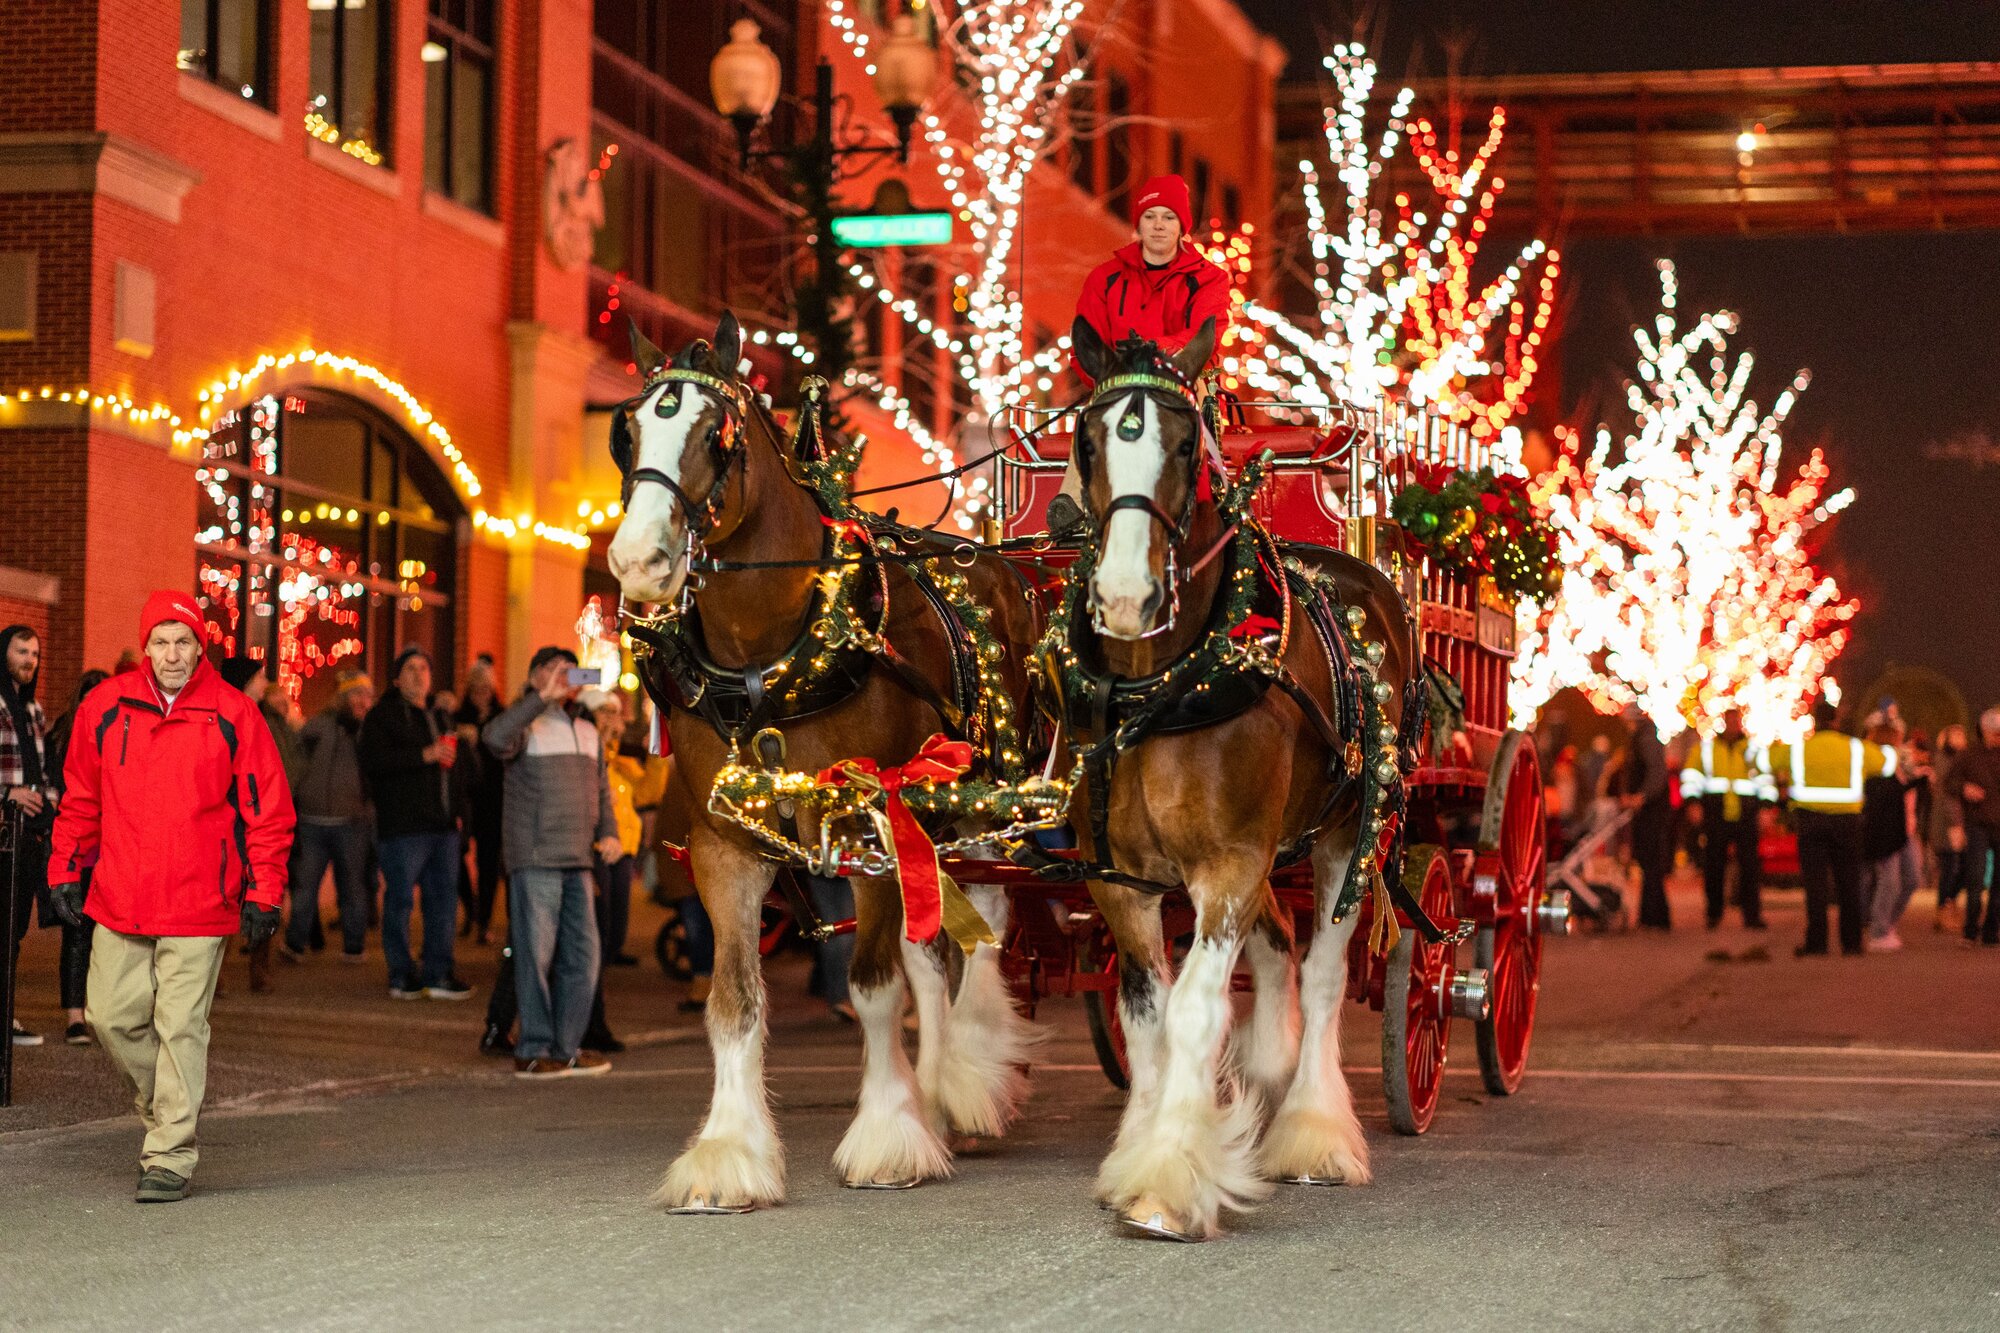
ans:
x=701 y=517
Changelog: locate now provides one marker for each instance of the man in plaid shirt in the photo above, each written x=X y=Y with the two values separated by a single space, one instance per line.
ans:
x=25 y=783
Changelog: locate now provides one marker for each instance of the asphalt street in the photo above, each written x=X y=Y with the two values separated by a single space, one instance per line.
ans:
x=1751 y=1143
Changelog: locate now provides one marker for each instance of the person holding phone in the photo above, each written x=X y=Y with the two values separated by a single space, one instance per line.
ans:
x=557 y=818
x=407 y=752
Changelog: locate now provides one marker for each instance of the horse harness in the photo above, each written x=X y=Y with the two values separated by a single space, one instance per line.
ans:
x=1112 y=714
x=738 y=703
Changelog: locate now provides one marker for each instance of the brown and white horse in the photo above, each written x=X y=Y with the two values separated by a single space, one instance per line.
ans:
x=708 y=469
x=1211 y=809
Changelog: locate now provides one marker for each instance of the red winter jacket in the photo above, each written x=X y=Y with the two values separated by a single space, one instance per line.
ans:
x=184 y=811
x=1123 y=297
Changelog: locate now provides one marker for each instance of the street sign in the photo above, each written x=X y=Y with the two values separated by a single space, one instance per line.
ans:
x=871 y=230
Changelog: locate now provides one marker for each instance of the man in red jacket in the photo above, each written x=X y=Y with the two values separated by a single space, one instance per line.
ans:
x=174 y=791
x=1160 y=288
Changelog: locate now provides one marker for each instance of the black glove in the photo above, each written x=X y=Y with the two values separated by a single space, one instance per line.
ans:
x=260 y=923
x=67 y=900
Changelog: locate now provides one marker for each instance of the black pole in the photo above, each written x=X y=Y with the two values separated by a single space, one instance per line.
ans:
x=816 y=160
x=11 y=843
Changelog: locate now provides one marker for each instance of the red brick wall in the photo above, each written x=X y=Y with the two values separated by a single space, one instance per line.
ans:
x=48 y=65
x=46 y=535
x=17 y=611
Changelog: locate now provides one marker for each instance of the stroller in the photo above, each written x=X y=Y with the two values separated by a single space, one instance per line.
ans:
x=1595 y=900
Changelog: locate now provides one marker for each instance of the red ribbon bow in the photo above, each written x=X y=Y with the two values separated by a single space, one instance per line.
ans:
x=916 y=855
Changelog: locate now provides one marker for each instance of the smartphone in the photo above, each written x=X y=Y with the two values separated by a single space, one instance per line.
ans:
x=583 y=677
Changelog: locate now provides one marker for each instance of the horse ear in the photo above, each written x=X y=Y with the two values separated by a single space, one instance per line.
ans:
x=1089 y=349
x=729 y=343
x=644 y=355
x=1192 y=359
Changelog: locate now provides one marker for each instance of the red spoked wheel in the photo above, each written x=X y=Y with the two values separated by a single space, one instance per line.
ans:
x=1416 y=1023
x=1107 y=1031
x=1513 y=841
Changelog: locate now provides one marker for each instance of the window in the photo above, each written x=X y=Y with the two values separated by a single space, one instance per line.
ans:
x=351 y=75
x=1232 y=207
x=1198 y=190
x=326 y=541
x=458 y=101
x=228 y=42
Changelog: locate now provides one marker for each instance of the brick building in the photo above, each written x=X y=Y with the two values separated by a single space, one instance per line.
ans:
x=318 y=304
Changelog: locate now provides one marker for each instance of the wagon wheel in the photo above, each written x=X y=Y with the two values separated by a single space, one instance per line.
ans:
x=1107 y=1029
x=1416 y=1029
x=1512 y=833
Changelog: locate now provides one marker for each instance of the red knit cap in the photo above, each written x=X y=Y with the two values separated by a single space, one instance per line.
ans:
x=1165 y=192
x=168 y=605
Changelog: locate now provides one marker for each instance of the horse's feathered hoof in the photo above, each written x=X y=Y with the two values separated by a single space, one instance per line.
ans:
x=700 y=1207
x=909 y=1184
x=1154 y=1225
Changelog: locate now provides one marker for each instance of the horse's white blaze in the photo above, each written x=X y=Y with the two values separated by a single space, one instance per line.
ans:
x=646 y=552
x=1124 y=580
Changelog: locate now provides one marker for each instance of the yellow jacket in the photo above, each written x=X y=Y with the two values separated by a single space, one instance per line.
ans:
x=1826 y=770
x=1732 y=769
x=636 y=781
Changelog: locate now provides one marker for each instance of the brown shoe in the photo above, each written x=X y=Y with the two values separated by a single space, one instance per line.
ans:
x=541 y=1067
x=587 y=1063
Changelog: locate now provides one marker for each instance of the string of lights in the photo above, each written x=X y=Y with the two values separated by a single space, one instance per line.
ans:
x=1689 y=582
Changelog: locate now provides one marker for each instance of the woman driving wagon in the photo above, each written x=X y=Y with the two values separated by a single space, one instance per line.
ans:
x=1160 y=288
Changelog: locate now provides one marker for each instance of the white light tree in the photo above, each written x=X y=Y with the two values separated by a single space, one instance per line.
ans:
x=1016 y=63
x=1399 y=308
x=1689 y=580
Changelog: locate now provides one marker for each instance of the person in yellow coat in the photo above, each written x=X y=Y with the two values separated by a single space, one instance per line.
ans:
x=636 y=781
x=1724 y=774
x=1823 y=775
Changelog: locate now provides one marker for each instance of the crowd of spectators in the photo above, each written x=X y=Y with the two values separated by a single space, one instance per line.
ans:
x=1930 y=824
x=415 y=801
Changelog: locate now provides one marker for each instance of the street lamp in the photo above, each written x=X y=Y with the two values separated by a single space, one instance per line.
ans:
x=745 y=78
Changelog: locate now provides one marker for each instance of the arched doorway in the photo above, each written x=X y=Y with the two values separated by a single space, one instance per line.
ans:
x=327 y=540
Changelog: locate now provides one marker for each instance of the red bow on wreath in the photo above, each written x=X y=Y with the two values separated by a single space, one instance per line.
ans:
x=916 y=855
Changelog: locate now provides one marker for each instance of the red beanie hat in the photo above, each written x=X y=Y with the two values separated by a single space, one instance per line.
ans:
x=1165 y=192
x=166 y=605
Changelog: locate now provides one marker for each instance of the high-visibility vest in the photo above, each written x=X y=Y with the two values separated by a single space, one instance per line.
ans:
x=1825 y=772
x=1733 y=770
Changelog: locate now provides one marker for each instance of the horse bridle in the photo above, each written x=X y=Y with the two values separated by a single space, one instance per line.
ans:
x=1176 y=528
x=724 y=448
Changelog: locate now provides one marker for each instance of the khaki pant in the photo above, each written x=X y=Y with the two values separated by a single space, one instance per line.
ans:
x=148 y=1000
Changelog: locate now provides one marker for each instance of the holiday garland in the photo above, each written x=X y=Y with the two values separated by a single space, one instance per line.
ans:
x=1003 y=792
x=1481 y=523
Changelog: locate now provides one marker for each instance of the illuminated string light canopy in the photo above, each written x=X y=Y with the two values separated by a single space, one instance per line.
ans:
x=1014 y=66
x=1399 y=311
x=1689 y=584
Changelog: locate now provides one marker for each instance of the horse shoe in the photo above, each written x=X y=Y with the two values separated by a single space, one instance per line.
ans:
x=909 y=1184
x=1156 y=1227
x=1325 y=1181
x=701 y=1207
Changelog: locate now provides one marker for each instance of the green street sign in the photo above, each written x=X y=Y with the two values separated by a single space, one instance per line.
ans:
x=871 y=230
